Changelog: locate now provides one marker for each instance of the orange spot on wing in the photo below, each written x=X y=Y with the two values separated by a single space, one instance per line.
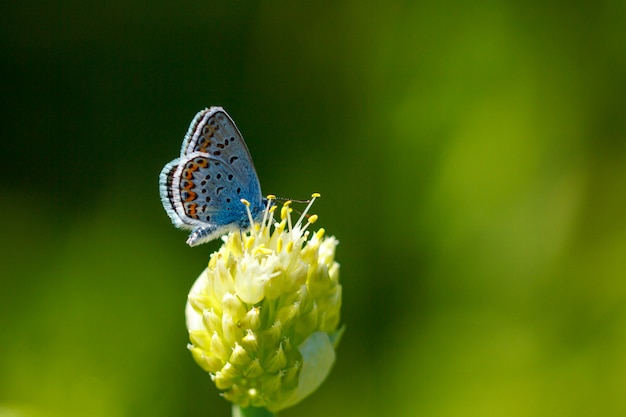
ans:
x=192 y=196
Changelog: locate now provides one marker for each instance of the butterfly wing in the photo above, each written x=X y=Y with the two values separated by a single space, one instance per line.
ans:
x=199 y=189
x=212 y=131
x=202 y=190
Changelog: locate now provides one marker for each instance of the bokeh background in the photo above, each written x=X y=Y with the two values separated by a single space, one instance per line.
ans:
x=471 y=158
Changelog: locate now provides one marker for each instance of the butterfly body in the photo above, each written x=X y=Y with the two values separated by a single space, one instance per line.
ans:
x=202 y=189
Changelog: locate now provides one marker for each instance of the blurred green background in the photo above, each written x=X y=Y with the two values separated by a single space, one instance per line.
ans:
x=471 y=158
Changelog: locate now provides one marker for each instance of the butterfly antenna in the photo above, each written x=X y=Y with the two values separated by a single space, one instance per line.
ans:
x=292 y=199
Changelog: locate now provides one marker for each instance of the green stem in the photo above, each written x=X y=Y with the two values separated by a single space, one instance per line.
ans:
x=251 y=412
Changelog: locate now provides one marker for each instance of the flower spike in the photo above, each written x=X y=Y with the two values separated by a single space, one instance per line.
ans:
x=263 y=318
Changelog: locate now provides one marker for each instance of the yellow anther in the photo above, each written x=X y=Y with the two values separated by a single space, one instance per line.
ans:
x=320 y=233
x=289 y=246
x=249 y=242
x=247 y=204
x=262 y=250
x=313 y=218
x=284 y=212
x=272 y=209
x=303 y=215
x=287 y=203
x=279 y=244
x=315 y=195
x=267 y=213
x=271 y=197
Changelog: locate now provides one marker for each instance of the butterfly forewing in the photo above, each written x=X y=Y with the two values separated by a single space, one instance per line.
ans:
x=213 y=131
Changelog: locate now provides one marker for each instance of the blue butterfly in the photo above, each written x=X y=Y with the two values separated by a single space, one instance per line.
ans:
x=202 y=189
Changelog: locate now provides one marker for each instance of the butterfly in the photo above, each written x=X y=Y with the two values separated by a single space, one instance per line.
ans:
x=202 y=189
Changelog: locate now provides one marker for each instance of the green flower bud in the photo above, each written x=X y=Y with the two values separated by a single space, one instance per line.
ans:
x=263 y=317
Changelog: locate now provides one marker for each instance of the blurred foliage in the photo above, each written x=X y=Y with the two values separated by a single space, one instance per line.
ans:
x=471 y=158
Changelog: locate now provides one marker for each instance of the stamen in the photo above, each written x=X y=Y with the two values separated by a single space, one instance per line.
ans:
x=313 y=197
x=312 y=219
x=270 y=217
x=280 y=227
x=249 y=243
x=262 y=250
x=267 y=208
x=285 y=213
x=247 y=204
x=268 y=226
x=289 y=210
